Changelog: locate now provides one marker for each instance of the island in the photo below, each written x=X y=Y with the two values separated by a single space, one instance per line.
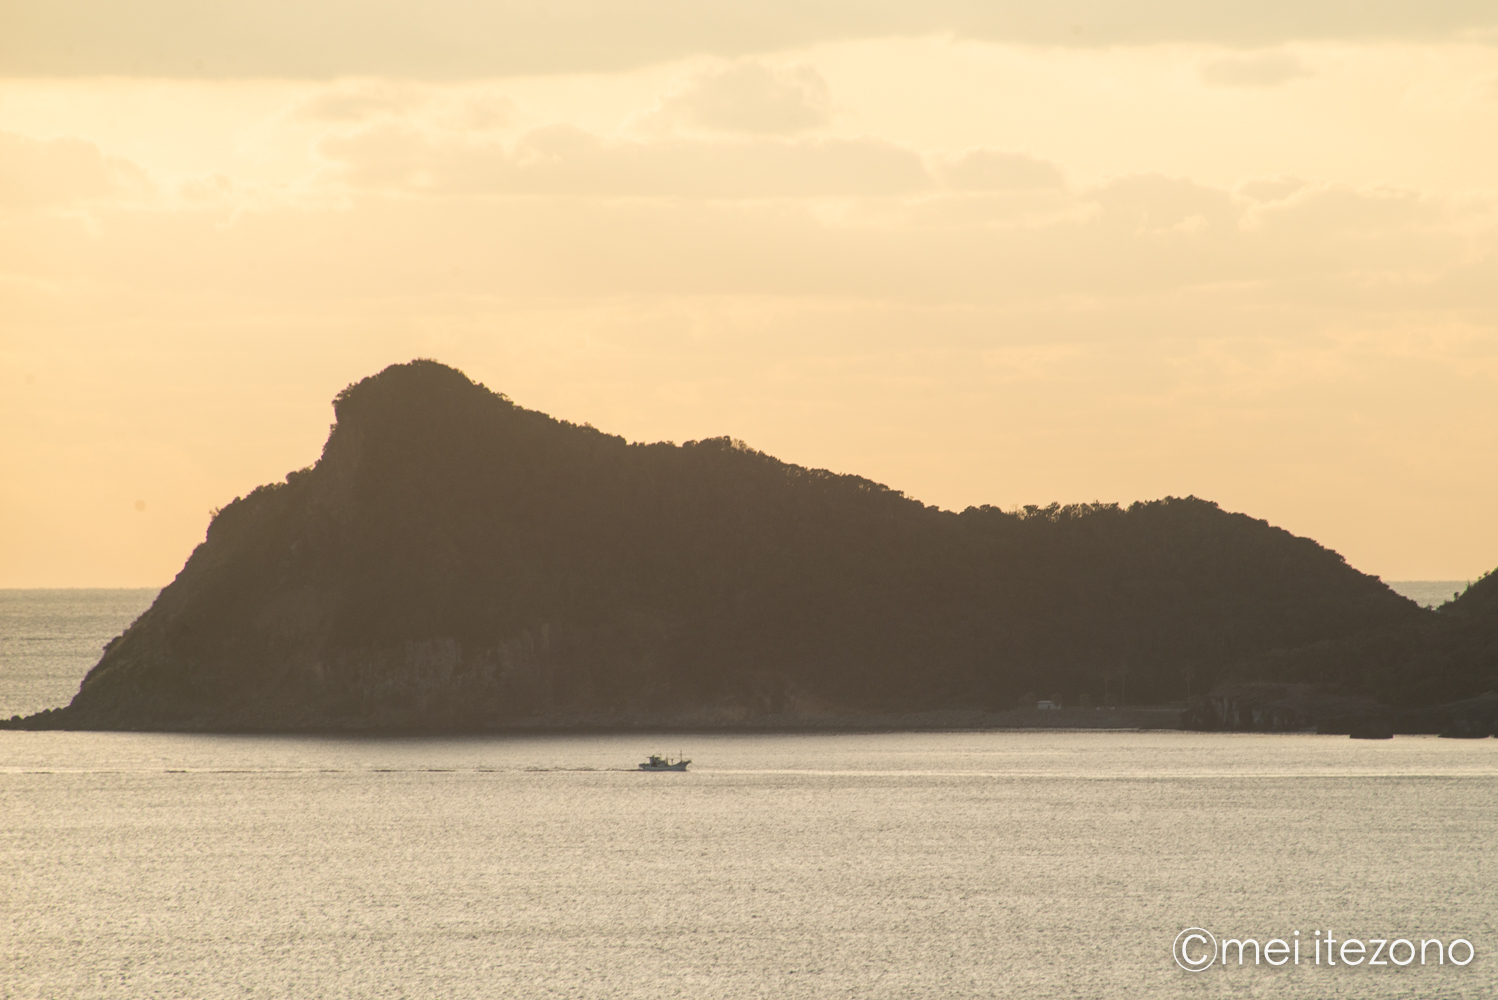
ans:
x=455 y=562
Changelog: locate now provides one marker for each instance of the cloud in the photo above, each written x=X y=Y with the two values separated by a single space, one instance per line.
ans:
x=749 y=97
x=1270 y=188
x=458 y=39
x=1262 y=69
x=357 y=101
x=1154 y=204
x=562 y=160
x=348 y=103
x=56 y=173
x=564 y=212
x=993 y=170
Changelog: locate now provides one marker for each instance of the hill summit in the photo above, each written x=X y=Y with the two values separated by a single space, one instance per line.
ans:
x=455 y=561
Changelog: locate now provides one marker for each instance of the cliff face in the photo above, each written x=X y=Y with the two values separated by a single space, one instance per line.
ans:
x=456 y=561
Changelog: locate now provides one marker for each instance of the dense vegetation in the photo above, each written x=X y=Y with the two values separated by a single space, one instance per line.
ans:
x=456 y=560
x=1448 y=655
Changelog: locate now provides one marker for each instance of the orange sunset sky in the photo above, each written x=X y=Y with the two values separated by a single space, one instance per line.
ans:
x=983 y=252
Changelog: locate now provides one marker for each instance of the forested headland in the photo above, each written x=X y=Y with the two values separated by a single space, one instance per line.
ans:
x=455 y=561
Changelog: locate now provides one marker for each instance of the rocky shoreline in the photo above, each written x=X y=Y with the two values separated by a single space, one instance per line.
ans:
x=1260 y=708
x=1271 y=708
x=816 y=720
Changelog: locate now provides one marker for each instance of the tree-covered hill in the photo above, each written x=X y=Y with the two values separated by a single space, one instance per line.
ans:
x=456 y=561
x=1408 y=664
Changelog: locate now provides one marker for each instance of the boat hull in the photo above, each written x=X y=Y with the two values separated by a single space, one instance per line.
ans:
x=681 y=766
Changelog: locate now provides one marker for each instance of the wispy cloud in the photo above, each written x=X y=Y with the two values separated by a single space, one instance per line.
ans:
x=563 y=160
x=359 y=101
x=997 y=170
x=66 y=171
x=1259 y=69
x=749 y=97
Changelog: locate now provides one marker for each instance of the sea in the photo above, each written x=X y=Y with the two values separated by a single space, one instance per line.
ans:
x=1035 y=864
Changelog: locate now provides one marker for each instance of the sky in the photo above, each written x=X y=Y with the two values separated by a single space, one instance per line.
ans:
x=985 y=253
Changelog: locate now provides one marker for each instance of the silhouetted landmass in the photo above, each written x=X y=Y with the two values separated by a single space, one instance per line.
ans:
x=454 y=561
x=1434 y=673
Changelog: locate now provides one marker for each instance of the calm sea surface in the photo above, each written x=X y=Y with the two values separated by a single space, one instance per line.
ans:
x=1428 y=593
x=50 y=638
x=1007 y=864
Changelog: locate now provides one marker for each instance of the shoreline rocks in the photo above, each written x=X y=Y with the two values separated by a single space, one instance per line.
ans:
x=1271 y=708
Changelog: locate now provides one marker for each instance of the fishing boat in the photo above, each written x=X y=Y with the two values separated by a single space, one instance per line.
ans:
x=659 y=763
